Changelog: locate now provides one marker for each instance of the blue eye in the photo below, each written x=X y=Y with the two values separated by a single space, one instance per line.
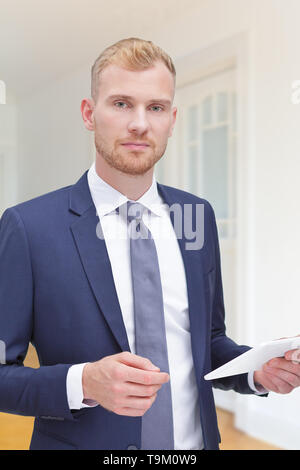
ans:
x=157 y=109
x=120 y=104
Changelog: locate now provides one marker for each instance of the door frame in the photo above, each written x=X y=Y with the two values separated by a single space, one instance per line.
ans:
x=233 y=52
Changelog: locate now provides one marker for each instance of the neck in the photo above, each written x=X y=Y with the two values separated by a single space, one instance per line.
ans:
x=132 y=186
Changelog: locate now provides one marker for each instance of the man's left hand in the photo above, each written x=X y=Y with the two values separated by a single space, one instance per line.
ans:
x=280 y=374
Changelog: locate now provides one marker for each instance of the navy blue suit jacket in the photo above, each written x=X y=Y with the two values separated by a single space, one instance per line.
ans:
x=57 y=292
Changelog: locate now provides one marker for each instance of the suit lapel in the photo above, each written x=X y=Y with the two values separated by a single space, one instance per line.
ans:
x=94 y=257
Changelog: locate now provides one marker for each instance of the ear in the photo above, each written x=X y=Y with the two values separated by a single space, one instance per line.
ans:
x=174 y=114
x=87 y=110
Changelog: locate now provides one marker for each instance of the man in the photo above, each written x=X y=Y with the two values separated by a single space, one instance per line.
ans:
x=125 y=327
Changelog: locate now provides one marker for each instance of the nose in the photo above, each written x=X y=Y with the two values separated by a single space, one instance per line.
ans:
x=138 y=123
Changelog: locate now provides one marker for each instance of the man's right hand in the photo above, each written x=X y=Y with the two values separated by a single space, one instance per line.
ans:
x=124 y=383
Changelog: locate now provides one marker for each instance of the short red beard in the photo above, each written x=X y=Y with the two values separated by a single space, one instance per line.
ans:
x=133 y=163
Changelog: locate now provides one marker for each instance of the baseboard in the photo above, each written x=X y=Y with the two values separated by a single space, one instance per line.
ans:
x=267 y=427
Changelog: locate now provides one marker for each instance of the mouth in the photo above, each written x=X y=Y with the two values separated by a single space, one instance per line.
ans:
x=136 y=145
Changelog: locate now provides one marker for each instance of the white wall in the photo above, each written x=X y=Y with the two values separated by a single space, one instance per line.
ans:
x=275 y=267
x=268 y=297
x=56 y=149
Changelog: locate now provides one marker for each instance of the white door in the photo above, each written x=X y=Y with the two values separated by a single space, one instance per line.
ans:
x=205 y=146
x=206 y=142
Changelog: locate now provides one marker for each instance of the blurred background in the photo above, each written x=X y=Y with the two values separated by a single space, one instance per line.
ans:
x=236 y=143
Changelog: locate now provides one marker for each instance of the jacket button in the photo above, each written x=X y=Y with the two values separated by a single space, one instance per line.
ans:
x=132 y=448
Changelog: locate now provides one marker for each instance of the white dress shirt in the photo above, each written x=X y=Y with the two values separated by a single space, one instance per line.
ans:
x=185 y=405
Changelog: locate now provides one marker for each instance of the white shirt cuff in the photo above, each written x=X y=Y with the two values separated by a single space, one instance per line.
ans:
x=74 y=388
x=252 y=386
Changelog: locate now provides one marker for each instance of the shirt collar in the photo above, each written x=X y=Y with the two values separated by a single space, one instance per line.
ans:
x=107 y=199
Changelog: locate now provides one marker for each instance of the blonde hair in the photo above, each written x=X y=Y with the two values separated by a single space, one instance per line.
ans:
x=132 y=54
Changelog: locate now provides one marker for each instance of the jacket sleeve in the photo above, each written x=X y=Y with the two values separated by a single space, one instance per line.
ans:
x=23 y=390
x=223 y=349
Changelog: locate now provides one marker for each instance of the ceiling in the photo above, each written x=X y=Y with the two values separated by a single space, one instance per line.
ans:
x=42 y=40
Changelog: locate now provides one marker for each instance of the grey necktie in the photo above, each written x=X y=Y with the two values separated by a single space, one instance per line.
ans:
x=150 y=334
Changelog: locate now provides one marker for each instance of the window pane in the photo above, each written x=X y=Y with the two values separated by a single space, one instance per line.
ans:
x=192 y=123
x=222 y=107
x=193 y=169
x=207 y=111
x=159 y=169
x=215 y=169
x=233 y=112
x=233 y=171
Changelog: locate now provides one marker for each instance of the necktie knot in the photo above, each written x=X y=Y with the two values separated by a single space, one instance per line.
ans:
x=135 y=211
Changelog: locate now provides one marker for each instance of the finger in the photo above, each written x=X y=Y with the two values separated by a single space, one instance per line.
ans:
x=136 y=361
x=135 y=407
x=283 y=363
x=276 y=383
x=139 y=403
x=267 y=383
x=131 y=374
x=130 y=412
x=287 y=377
x=138 y=390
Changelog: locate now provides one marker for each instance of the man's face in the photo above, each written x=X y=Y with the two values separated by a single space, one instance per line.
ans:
x=133 y=117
